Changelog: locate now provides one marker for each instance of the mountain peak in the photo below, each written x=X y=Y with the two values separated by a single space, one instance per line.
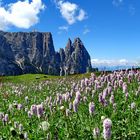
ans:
x=77 y=42
x=33 y=52
x=69 y=44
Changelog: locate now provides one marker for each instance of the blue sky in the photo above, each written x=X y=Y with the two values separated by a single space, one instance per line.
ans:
x=110 y=29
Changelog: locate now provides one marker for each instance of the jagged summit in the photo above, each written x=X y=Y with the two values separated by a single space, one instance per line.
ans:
x=34 y=52
x=78 y=42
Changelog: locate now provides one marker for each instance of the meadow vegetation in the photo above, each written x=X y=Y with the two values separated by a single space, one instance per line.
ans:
x=79 y=107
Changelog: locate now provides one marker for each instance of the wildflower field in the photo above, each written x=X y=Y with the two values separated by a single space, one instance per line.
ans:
x=79 y=107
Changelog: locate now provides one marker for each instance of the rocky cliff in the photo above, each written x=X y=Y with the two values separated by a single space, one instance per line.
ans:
x=34 y=52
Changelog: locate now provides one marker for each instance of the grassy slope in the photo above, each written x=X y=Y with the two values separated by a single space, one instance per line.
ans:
x=26 y=78
x=39 y=77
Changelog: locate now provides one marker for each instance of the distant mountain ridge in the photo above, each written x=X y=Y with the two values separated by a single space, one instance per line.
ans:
x=114 y=68
x=33 y=52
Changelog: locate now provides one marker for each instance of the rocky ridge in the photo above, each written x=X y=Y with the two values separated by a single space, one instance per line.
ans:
x=33 y=52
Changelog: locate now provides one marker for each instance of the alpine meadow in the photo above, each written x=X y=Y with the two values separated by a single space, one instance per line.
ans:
x=69 y=70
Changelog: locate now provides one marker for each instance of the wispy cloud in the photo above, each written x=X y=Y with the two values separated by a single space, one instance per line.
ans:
x=21 y=14
x=132 y=10
x=121 y=3
x=86 y=30
x=71 y=12
x=117 y=2
x=63 y=28
x=120 y=62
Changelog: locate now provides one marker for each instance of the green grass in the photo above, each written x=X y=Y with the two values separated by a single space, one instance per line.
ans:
x=27 y=78
x=76 y=126
x=40 y=77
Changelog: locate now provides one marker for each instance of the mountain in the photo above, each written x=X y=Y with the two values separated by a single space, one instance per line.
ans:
x=33 y=52
x=114 y=68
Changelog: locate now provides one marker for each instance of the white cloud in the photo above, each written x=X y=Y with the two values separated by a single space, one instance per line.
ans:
x=64 y=28
x=123 y=61
x=71 y=11
x=82 y=15
x=105 y=62
x=22 y=14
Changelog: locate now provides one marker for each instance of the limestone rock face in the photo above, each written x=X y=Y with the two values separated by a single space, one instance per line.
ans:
x=33 y=52
x=77 y=58
x=7 y=59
